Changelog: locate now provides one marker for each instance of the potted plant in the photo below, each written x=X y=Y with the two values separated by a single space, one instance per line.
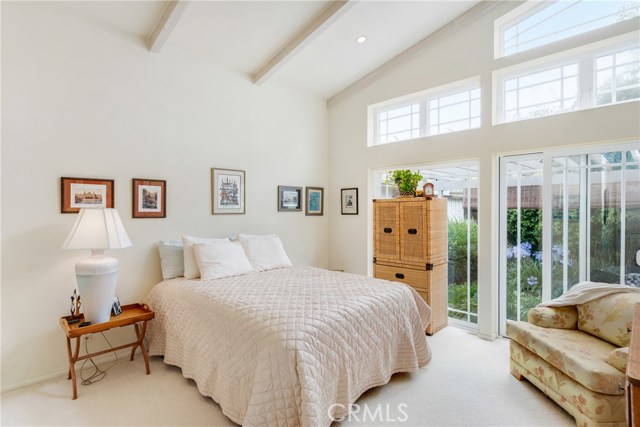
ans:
x=406 y=181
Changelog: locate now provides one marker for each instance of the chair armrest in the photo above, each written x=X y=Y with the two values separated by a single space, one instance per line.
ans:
x=554 y=317
x=618 y=358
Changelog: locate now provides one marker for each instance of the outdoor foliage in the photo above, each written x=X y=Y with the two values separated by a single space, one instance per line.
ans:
x=458 y=300
x=530 y=227
x=605 y=226
x=458 y=250
x=458 y=268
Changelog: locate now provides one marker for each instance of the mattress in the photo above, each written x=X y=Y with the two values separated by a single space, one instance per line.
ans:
x=288 y=347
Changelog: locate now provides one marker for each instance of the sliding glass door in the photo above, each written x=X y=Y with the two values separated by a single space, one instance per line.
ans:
x=521 y=234
x=567 y=218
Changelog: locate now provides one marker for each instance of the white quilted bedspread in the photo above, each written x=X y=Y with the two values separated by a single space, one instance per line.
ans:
x=282 y=347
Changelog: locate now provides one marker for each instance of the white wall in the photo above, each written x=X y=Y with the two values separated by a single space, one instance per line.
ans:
x=84 y=100
x=465 y=52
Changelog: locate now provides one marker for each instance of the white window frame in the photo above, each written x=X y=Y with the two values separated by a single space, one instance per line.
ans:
x=614 y=67
x=585 y=56
x=519 y=14
x=422 y=98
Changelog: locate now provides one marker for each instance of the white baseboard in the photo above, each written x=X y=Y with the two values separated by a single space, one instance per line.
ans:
x=487 y=337
x=62 y=373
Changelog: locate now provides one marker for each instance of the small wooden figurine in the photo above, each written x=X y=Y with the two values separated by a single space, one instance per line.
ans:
x=75 y=304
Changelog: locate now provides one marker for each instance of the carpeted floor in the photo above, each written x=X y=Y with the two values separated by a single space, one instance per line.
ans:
x=467 y=383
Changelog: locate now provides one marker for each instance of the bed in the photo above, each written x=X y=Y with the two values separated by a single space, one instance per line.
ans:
x=291 y=346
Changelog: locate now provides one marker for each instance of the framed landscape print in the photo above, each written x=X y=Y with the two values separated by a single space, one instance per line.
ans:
x=78 y=193
x=227 y=191
x=349 y=202
x=149 y=198
x=289 y=199
x=315 y=201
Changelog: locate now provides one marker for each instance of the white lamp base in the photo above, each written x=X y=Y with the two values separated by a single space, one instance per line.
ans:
x=97 y=277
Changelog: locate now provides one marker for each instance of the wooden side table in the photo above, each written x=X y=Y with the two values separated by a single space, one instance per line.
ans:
x=633 y=372
x=132 y=314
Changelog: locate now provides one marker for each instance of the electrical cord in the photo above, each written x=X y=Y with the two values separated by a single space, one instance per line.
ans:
x=98 y=374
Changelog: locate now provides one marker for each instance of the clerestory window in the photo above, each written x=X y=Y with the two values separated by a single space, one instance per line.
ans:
x=450 y=108
x=537 y=23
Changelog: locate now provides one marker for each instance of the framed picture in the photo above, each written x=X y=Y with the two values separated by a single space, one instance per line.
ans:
x=149 y=198
x=289 y=199
x=315 y=201
x=227 y=191
x=77 y=193
x=349 y=202
x=116 y=308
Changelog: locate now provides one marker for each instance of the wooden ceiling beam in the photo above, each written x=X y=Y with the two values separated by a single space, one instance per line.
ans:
x=320 y=23
x=166 y=24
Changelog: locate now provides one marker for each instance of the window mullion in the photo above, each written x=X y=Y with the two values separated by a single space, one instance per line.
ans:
x=424 y=116
x=587 y=82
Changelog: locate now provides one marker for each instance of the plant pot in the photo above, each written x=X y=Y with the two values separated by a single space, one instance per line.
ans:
x=407 y=194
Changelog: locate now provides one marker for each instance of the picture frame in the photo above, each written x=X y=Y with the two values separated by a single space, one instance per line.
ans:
x=349 y=201
x=314 y=205
x=78 y=193
x=227 y=191
x=149 y=198
x=116 y=308
x=289 y=198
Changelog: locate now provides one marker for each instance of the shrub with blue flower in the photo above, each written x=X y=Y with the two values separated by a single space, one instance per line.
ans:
x=522 y=251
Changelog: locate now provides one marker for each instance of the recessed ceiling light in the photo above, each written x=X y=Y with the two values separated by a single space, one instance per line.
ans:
x=361 y=39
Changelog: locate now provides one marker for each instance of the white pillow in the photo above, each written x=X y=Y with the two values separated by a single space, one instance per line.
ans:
x=190 y=265
x=221 y=259
x=264 y=252
x=171 y=259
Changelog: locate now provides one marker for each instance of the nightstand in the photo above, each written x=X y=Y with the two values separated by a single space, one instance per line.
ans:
x=132 y=314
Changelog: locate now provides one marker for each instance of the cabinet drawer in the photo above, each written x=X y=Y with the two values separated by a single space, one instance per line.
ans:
x=419 y=279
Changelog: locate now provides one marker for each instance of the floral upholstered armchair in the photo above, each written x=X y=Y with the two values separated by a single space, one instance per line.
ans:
x=575 y=350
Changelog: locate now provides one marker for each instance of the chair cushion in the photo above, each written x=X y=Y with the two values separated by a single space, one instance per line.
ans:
x=579 y=355
x=609 y=317
x=602 y=409
x=554 y=317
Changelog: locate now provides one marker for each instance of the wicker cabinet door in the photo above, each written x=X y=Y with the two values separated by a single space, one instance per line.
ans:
x=386 y=238
x=438 y=220
x=413 y=231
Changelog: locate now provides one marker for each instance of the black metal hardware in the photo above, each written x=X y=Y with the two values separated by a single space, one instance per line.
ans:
x=412 y=231
x=399 y=276
x=374 y=260
x=388 y=230
x=429 y=267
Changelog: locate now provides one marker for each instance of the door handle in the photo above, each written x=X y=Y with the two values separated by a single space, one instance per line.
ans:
x=388 y=230
x=399 y=276
x=412 y=231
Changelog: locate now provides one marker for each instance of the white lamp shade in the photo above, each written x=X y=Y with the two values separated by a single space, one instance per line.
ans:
x=97 y=228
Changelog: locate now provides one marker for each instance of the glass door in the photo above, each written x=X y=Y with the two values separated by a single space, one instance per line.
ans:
x=521 y=180
x=459 y=185
x=566 y=218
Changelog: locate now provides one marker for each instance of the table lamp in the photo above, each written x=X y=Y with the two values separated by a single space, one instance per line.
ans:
x=97 y=229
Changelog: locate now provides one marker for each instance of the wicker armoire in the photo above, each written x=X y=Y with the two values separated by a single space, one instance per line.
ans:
x=410 y=246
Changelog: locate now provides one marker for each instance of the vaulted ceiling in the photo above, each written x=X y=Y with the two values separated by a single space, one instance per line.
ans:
x=310 y=45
